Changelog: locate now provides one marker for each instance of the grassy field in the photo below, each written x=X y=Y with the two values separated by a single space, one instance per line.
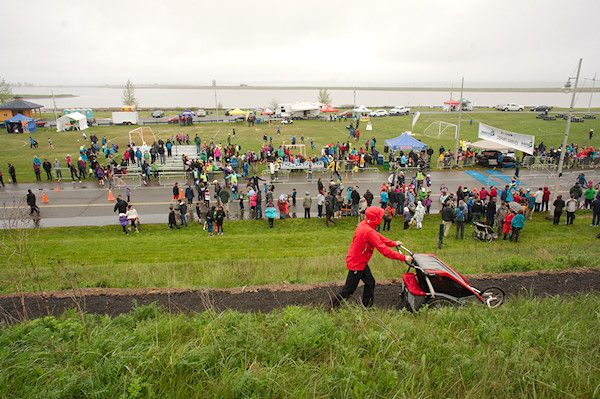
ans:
x=295 y=251
x=527 y=348
x=15 y=148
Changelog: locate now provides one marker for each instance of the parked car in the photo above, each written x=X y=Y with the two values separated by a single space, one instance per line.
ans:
x=542 y=108
x=510 y=107
x=173 y=119
x=40 y=123
x=490 y=158
x=201 y=112
x=347 y=114
x=157 y=114
x=379 y=112
x=400 y=111
x=286 y=121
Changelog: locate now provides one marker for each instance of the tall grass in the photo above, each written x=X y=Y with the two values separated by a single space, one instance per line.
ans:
x=528 y=348
x=295 y=251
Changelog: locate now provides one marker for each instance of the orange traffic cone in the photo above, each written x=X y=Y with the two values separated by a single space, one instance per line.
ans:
x=58 y=187
x=181 y=194
x=111 y=198
x=44 y=198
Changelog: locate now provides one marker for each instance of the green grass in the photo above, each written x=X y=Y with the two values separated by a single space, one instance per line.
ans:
x=526 y=349
x=295 y=251
x=15 y=148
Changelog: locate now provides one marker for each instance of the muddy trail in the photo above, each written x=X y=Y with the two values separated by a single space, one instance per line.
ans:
x=15 y=307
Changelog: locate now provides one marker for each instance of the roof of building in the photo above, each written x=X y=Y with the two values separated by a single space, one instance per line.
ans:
x=19 y=104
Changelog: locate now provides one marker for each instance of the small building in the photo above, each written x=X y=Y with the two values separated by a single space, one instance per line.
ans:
x=19 y=106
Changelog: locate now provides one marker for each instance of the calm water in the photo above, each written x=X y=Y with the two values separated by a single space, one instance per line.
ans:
x=92 y=97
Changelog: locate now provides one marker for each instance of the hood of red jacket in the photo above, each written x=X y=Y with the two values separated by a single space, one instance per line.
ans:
x=374 y=214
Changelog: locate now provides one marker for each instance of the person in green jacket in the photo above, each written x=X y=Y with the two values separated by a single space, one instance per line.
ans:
x=590 y=193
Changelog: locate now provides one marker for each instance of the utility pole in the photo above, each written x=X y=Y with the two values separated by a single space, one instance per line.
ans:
x=563 y=147
x=214 y=84
x=462 y=86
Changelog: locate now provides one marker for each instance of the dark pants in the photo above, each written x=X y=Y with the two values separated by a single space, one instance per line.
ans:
x=538 y=207
x=307 y=213
x=320 y=210
x=460 y=230
x=406 y=224
x=34 y=208
x=352 y=280
x=386 y=224
x=515 y=233
x=570 y=217
x=557 y=216
x=271 y=220
x=2 y=181
x=545 y=206
x=13 y=177
x=595 y=218
x=48 y=175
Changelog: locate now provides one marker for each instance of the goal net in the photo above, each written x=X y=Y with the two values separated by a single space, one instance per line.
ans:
x=438 y=129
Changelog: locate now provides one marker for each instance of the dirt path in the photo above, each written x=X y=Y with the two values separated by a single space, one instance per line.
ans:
x=116 y=301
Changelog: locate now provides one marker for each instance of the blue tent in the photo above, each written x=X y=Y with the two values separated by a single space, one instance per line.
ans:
x=16 y=123
x=405 y=142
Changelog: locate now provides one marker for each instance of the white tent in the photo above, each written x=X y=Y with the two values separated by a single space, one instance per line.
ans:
x=361 y=110
x=74 y=120
x=488 y=145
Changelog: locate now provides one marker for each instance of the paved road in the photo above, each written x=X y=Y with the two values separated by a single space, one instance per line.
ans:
x=86 y=204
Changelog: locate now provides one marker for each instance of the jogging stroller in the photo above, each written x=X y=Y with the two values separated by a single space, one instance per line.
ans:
x=436 y=285
x=483 y=232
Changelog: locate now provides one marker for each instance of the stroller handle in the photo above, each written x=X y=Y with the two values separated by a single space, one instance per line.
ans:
x=405 y=249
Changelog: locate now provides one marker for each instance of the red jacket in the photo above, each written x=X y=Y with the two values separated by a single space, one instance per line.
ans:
x=366 y=239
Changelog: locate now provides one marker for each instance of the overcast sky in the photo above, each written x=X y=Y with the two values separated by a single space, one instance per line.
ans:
x=341 y=42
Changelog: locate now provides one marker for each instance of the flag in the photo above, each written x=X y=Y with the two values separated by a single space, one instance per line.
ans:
x=415 y=118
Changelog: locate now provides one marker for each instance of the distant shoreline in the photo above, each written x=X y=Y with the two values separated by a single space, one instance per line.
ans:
x=44 y=96
x=350 y=88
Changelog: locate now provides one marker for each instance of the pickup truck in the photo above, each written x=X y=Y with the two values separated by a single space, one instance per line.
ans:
x=510 y=107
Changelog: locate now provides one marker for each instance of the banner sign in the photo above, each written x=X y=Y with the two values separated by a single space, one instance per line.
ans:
x=517 y=141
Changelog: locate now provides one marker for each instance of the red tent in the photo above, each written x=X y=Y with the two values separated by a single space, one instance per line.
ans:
x=452 y=102
x=329 y=108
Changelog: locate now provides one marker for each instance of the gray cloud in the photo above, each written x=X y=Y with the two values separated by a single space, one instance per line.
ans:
x=343 y=42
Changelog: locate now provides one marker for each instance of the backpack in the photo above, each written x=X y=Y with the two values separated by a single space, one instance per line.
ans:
x=459 y=215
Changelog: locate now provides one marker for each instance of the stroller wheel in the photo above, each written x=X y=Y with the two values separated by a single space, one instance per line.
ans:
x=440 y=303
x=489 y=238
x=493 y=297
x=403 y=304
x=475 y=235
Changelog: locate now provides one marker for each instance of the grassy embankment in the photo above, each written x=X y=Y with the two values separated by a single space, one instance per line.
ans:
x=15 y=148
x=295 y=251
x=528 y=348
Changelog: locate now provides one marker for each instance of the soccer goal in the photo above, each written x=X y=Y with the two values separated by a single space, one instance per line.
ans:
x=142 y=136
x=296 y=147
x=439 y=128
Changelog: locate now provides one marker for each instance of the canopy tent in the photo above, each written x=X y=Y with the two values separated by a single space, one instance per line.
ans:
x=266 y=111
x=187 y=113
x=72 y=121
x=329 y=108
x=490 y=146
x=238 y=111
x=450 y=105
x=20 y=124
x=405 y=142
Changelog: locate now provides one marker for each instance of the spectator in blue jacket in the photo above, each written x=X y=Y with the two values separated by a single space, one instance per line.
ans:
x=516 y=225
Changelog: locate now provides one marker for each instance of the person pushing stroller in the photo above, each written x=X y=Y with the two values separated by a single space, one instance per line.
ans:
x=366 y=238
